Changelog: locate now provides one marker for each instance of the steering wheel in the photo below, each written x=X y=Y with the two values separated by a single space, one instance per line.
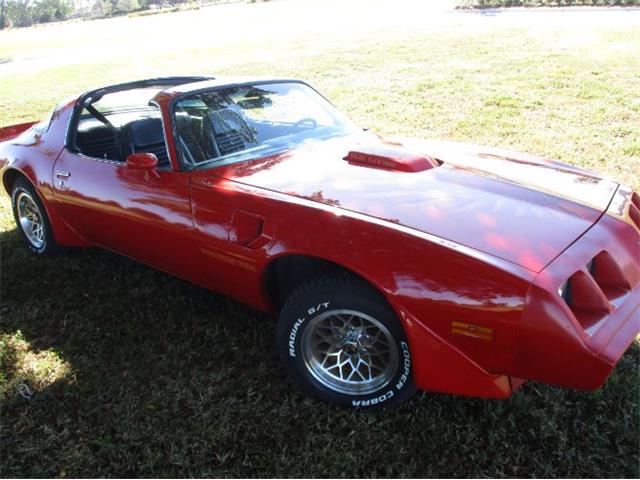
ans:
x=311 y=122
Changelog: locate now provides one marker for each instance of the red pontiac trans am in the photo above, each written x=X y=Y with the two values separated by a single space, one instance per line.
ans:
x=393 y=266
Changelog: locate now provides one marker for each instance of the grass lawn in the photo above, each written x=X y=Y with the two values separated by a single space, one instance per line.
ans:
x=136 y=373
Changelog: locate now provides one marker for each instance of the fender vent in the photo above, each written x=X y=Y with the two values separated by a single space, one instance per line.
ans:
x=585 y=299
x=609 y=276
x=593 y=292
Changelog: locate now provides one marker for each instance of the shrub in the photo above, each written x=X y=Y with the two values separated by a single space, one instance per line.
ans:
x=543 y=3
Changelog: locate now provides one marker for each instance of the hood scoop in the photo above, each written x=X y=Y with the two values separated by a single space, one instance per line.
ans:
x=390 y=158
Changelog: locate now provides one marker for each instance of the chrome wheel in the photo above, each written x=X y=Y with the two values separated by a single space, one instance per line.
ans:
x=30 y=219
x=349 y=352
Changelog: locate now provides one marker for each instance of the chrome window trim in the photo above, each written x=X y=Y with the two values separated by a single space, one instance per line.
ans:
x=112 y=162
x=164 y=136
x=103 y=160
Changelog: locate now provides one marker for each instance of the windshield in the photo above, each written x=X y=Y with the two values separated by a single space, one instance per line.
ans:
x=238 y=123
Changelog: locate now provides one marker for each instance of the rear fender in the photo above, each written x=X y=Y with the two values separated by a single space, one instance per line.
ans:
x=12 y=131
x=62 y=232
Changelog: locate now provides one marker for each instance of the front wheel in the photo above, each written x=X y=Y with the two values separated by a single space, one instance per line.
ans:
x=343 y=344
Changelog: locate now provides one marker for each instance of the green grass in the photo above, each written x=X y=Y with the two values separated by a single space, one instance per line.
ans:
x=136 y=373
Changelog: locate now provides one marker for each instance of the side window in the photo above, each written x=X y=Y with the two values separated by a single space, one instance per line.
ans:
x=145 y=135
x=95 y=138
x=119 y=124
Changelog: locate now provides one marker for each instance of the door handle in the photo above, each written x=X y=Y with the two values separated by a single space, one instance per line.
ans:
x=62 y=174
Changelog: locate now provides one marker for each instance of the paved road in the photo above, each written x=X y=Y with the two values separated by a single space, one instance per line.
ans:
x=241 y=25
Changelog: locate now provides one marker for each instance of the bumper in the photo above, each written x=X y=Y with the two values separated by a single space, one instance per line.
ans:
x=626 y=325
x=571 y=342
x=576 y=341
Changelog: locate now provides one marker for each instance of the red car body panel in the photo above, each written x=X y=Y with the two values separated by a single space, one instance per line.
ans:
x=12 y=131
x=469 y=249
x=488 y=202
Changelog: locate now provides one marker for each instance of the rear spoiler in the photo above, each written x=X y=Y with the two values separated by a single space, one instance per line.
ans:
x=7 y=133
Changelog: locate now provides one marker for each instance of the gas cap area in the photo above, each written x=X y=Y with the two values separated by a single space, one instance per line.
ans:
x=250 y=230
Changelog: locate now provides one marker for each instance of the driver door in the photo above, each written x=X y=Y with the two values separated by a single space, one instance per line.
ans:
x=145 y=215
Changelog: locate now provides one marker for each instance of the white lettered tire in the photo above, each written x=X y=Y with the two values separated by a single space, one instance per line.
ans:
x=343 y=344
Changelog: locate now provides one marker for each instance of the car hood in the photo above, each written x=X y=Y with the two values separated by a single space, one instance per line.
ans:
x=516 y=207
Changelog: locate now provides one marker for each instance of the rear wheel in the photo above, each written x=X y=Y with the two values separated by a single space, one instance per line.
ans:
x=342 y=343
x=31 y=219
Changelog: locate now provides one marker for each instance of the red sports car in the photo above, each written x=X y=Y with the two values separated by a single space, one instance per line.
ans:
x=392 y=266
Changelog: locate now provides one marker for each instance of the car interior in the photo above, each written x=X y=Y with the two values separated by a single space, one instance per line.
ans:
x=121 y=135
x=218 y=134
x=209 y=126
x=201 y=137
x=205 y=134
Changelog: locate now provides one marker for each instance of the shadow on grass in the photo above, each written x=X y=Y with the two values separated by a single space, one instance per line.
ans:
x=137 y=373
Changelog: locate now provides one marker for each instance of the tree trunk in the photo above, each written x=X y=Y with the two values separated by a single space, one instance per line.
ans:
x=3 y=20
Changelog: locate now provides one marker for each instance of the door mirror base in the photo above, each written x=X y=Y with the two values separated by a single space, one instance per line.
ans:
x=142 y=161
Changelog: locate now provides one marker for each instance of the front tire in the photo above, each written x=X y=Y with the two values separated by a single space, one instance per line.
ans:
x=31 y=219
x=343 y=344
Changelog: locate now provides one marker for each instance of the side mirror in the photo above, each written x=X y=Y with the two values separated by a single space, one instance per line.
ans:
x=142 y=161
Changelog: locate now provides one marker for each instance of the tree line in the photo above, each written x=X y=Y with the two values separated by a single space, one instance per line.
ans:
x=24 y=13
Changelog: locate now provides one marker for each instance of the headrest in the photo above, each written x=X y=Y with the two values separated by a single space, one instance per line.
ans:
x=147 y=131
x=227 y=120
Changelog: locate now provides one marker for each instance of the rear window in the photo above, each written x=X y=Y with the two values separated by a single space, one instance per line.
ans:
x=135 y=99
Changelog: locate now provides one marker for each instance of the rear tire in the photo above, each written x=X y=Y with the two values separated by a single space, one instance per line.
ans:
x=342 y=343
x=31 y=219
